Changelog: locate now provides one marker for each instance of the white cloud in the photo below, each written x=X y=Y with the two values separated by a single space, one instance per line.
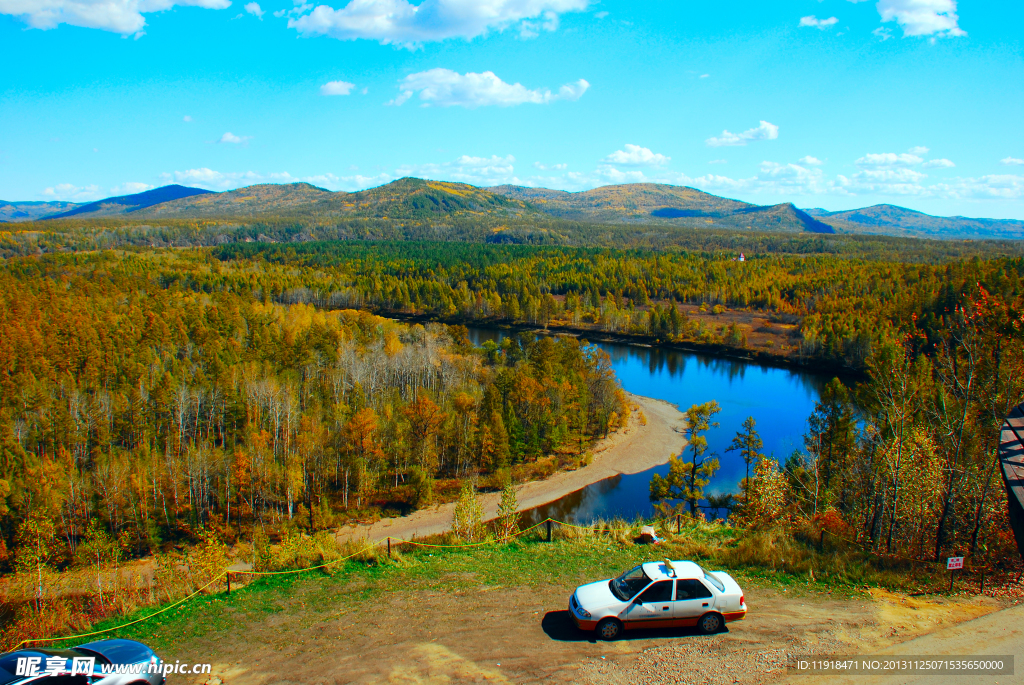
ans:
x=216 y=180
x=938 y=164
x=890 y=176
x=888 y=159
x=782 y=182
x=822 y=24
x=719 y=161
x=130 y=188
x=67 y=192
x=601 y=15
x=337 y=88
x=400 y=22
x=347 y=183
x=922 y=17
x=186 y=118
x=480 y=171
x=220 y=181
x=882 y=33
x=994 y=187
x=1012 y=161
x=634 y=155
x=254 y=9
x=554 y=167
x=813 y=161
x=447 y=88
x=704 y=76
x=120 y=16
x=918 y=150
x=531 y=29
x=765 y=131
x=230 y=137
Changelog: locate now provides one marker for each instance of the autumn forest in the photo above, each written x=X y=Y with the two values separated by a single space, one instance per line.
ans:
x=154 y=396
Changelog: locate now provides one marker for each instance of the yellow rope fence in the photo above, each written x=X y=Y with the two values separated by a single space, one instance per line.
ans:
x=226 y=573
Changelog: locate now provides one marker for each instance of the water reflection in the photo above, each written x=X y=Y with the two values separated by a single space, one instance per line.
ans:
x=780 y=400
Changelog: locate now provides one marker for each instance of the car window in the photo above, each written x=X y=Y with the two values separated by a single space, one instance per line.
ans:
x=659 y=592
x=691 y=588
x=629 y=583
x=711 y=578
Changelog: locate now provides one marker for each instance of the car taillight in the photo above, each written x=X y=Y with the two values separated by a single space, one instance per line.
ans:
x=741 y=600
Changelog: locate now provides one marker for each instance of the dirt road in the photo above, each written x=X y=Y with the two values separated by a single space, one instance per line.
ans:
x=454 y=630
x=632 y=450
x=997 y=633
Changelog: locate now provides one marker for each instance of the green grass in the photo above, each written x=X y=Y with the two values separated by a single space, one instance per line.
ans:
x=754 y=559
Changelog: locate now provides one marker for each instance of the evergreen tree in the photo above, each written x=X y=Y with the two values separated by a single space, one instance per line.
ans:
x=686 y=480
x=748 y=443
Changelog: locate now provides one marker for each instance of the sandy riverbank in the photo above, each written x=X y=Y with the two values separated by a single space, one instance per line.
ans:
x=634 y=449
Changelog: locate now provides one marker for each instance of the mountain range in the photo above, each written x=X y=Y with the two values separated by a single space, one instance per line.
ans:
x=436 y=201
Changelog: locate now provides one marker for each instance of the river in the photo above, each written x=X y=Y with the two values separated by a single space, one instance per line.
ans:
x=780 y=400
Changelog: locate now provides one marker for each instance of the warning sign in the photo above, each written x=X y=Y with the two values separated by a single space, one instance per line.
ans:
x=954 y=563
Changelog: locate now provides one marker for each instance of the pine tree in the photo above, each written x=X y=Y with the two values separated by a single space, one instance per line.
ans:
x=748 y=443
x=686 y=480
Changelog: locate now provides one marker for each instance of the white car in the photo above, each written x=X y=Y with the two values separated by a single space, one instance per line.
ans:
x=659 y=594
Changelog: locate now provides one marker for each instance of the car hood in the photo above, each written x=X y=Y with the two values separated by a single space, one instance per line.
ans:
x=119 y=651
x=596 y=595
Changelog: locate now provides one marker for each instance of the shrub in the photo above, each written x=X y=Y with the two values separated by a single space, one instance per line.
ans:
x=422 y=487
x=507 y=524
x=468 y=519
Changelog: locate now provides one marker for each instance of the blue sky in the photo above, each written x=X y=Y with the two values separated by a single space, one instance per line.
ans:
x=828 y=103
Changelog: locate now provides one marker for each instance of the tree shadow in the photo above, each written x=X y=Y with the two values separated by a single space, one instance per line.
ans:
x=558 y=625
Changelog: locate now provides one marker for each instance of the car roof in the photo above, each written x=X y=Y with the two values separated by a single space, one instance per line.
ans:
x=659 y=570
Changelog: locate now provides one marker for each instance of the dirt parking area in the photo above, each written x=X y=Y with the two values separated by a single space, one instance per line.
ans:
x=456 y=632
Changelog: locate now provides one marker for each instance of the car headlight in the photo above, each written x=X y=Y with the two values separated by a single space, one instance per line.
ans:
x=579 y=608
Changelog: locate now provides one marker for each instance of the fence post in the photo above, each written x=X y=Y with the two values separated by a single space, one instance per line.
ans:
x=549 y=530
x=679 y=525
x=228 y=576
x=951 y=574
x=389 y=548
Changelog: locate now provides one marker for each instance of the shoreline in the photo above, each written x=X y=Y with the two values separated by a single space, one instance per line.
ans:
x=717 y=350
x=631 y=450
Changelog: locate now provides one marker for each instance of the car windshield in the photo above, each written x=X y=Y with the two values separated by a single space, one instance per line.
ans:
x=629 y=583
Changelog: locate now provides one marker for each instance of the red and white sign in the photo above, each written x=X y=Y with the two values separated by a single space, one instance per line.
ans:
x=954 y=563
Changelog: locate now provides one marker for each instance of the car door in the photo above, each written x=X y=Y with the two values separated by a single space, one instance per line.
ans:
x=652 y=608
x=693 y=599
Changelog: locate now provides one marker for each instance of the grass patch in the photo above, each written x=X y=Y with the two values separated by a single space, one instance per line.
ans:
x=757 y=559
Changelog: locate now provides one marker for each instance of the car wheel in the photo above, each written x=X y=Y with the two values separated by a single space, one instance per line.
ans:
x=710 y=623
x=609 y=629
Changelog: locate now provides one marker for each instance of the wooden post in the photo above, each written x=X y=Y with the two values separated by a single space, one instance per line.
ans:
x=549 y=530
x=951 y=574
x=679 y=524
x=982 y=590
x=228 y=576
x=389 y=548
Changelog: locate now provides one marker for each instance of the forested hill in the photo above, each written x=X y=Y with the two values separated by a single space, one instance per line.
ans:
x=658 y=203
x=900 y=221
x=441 y=210
x=11 y=212
x=407 y=198
x=123 y=204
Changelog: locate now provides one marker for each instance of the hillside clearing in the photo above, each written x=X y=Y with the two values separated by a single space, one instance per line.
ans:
x=497 y=614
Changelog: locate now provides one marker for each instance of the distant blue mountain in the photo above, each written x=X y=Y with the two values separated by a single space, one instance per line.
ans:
x=123 y=204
